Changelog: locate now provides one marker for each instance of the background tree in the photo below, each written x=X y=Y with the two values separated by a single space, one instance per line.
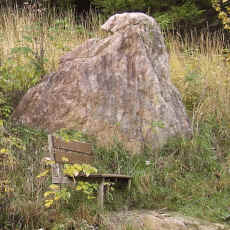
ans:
x=185 y=13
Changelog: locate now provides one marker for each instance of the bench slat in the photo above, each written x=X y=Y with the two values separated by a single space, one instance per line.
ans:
x=67 y=179
x=61 y=180
x=72 y=145
x=73 y=157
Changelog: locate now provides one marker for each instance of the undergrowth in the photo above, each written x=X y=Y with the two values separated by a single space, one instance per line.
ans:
x=190 y=176
x=187 y=175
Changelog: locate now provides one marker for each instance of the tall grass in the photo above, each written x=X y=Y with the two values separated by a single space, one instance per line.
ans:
x=31 y=44
x=201 y=73
x=190 y=176
x=56 y=32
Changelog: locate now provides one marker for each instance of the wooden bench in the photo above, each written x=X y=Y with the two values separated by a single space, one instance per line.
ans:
x=78 y=152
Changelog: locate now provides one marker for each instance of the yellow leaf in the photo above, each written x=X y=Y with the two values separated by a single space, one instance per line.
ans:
x=3 y=150
x=77 y=167
x=48 y=161
x=57 y=197
x=65 y=159
x=78 y=188
x=48 y=203
x=43 y=174
x=54 y=187
x=48 y=193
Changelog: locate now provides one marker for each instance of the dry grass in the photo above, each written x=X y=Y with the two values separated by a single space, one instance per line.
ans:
x=55 y=33
x=201 y=73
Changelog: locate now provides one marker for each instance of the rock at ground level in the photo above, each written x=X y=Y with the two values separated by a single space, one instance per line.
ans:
x=152 y=220
x=118 y=86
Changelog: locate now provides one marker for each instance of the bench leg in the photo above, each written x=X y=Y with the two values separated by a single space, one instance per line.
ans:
x=100 y=194
x=129 y=184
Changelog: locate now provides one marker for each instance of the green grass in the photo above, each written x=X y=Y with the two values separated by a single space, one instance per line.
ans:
x=190 y=176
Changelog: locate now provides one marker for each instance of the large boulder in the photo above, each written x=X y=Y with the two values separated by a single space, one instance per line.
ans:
x=118 y=86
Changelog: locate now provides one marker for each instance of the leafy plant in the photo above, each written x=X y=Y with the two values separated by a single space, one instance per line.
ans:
x=223 y=9
x=22 y=69
x=13 y=182
x=55 y=193
x=77 y=169
x=71 y=170
x=5 y=108
x=7 y=163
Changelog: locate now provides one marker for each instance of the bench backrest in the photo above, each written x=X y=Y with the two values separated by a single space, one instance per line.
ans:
x=75 y=152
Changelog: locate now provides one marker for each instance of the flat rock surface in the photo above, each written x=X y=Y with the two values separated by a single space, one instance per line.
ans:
x=152 y=220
